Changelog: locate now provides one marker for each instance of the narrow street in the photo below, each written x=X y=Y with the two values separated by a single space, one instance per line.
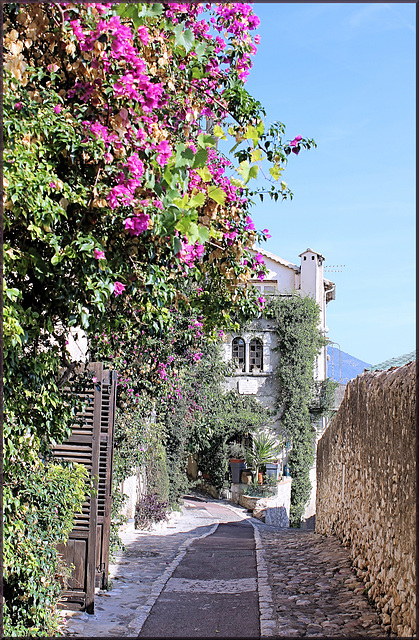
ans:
x=216 y=572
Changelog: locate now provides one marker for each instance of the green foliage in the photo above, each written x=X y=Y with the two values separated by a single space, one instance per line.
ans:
x=265 y=490
x=236 y=450
x=39 y=508
x=40 y=497
x=157 y=473
x=299 y=341
x=265 y=448
x=323 y=397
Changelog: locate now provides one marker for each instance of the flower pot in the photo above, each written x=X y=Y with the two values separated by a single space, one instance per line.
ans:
x=236 y=466
x=272 y=469
x=260 y=478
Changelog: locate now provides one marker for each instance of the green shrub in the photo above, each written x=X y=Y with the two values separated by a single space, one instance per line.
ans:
x=39 y=508
x=157 y=474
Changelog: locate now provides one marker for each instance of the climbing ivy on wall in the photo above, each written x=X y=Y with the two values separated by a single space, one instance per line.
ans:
x=299 y=341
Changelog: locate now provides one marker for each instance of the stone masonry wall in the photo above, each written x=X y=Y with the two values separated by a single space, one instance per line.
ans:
x=366 y=495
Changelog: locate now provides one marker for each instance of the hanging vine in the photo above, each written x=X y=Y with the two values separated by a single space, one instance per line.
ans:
x=299 y=342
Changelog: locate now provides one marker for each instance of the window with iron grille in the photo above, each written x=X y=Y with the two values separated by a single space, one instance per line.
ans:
x=239 y=353
x=255 y=355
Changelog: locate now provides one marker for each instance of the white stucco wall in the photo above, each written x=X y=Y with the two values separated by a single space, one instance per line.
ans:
x=261 y=384
x=286 y=277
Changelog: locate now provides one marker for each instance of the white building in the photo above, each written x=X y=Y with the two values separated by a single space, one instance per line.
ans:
x=253 y=349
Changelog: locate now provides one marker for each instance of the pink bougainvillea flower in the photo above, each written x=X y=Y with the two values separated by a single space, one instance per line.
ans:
x=119 y=195
x=137 y=225
x=118 y=288
x=99 y=255
x=135 y=165
x=261 y=301
x=266 y=233
x=143 y=35
x=259 y=258
x=164 y=152
x=52 y=185
x=261 y=275
x=57 y=108
x=196 y=357
x=53 y=67
x=295 y=142
x=249 y=224
x=189 y=253
x=199 y=250
x=18 y=106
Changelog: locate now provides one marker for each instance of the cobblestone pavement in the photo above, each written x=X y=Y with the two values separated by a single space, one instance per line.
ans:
x=314 y=591
x=306 y=587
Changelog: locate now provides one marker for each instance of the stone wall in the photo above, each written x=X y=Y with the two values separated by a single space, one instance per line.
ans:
x=274 y=510
x=366 y=495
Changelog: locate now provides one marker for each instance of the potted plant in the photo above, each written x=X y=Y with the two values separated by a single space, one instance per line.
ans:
x=265 y=449
x=237 y=454
x=272 y=469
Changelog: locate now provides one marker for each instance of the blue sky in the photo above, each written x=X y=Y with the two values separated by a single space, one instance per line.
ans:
x=344 y=74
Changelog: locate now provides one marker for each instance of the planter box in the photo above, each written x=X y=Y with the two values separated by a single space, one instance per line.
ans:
x=252 y=502
x=272 y=469
x=237 y=466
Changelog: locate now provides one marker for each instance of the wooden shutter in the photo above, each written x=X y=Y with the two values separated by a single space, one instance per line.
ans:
x=84 y=447
x=107 y=424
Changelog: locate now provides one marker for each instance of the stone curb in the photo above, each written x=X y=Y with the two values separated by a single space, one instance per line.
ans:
x=143 y=611
x=267 y=616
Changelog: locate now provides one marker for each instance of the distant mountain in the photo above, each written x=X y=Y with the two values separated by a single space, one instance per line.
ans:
x=349 y=367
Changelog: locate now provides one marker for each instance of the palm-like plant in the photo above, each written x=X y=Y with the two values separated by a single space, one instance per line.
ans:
x=265 y=449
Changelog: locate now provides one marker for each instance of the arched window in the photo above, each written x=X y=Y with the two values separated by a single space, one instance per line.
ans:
x=239 y=353
x=255 y=355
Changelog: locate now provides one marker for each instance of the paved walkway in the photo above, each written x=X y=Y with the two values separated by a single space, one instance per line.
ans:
x=305 y=585
x=213 y=591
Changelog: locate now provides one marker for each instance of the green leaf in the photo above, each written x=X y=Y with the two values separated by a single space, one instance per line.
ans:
x=184 y=37
x=197 y=73
x=181 y=202
x=200 y=50
x=219 y=133
x=260 y=128
x=205 y=174
x=253 y=172
x=203 y=234
x=200 y=160
x=251 y=133
x=275 y=172
x=237 y=182
x=177 y=246
x=197 y=200
x=205 y=140
x=193 y=233
x=256 y=155
x=217 y=194
x=244 y=169
x=189 y=40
